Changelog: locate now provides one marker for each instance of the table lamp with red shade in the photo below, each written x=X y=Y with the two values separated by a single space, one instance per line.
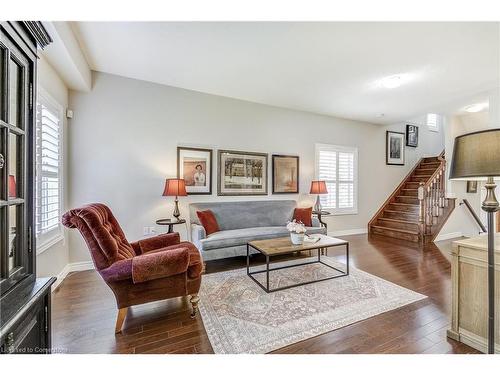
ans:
x=175 y=187
x=318 y=187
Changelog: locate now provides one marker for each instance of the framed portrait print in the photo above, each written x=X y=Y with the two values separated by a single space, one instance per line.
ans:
x=411 y=135
x=194 y=165
x=285 y=174
x=241 y=173
x=471 y=186
x=394 y=148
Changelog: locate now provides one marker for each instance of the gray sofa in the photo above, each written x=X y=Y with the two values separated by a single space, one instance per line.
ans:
x=241 y=222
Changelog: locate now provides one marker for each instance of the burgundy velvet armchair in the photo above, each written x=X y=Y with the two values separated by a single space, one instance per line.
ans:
x=148 y=270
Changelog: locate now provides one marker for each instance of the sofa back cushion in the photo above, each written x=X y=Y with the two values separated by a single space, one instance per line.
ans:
x=247 y=214
x=102 y=233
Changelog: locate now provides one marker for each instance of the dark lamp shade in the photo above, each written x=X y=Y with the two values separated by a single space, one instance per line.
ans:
x=318 y=187
x=476 y=155
x=174 y=187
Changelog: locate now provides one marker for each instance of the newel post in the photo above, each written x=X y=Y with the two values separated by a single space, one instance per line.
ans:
x=421 y=199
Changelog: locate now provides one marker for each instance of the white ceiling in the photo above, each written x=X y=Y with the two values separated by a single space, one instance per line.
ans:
x=330 y=68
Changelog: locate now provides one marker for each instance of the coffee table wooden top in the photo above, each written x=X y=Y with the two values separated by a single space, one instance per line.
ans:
x=283 y=245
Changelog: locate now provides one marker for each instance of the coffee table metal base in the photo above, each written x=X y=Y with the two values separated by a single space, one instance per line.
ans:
x=267 y=270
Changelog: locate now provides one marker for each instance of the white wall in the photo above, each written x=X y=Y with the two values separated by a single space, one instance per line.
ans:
x=53 y=260
x=124 y=134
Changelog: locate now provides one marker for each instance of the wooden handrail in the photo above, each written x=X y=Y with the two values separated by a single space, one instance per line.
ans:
x=474 y=215
x=432 y=204
x=442 y=162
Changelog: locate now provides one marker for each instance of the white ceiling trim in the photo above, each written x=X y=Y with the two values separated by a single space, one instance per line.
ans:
x=66 y=57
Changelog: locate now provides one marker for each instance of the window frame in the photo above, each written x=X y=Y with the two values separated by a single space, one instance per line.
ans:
x=347 y=149
x=46 y=240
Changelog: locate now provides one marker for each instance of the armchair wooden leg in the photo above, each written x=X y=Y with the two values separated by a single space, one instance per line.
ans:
x=194 y=303
x=120 y=318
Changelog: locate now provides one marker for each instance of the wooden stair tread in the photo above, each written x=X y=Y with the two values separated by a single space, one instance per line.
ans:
x=395 y=229
x=404 y=204
x=401 y=212
x=398 y=220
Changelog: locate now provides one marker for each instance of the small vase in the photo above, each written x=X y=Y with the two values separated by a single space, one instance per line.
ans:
x=297 y=238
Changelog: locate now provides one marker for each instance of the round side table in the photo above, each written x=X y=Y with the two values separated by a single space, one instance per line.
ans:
x=319 y=214
x=170 y=223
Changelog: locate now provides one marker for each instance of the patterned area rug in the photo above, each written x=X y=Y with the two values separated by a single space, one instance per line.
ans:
x=240 y=317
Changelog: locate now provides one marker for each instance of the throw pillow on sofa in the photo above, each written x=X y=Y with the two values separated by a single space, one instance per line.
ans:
x=304 y=215
x=208 y=221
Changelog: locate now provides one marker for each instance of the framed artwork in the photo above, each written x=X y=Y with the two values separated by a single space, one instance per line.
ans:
x=194 y=165
x=394 y=148
x=471 y=186
x=411 y=135
x=285 y=174
x=241 y=173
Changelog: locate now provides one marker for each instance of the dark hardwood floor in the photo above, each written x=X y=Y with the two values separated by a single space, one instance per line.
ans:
x=84 y=310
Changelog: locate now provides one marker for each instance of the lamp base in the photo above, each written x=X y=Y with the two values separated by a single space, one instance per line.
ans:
x=317 y=206
x=490 y=205
x=176 y=213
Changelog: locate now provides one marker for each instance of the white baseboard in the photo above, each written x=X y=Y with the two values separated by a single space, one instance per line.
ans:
x=348 y=232
x=72 y=267
x=447 y=236
x=81 y=266
x=60 y=277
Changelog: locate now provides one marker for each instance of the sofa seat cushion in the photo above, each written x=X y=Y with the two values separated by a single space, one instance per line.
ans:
x=238 y=237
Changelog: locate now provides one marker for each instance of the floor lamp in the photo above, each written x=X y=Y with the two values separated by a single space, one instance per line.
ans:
x=476 y=156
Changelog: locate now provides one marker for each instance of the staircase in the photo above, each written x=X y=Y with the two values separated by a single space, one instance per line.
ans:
x=418 y=208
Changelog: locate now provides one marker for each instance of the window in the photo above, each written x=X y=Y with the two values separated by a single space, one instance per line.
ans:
x=338 y=167
x=433 y=122
x=49 y=195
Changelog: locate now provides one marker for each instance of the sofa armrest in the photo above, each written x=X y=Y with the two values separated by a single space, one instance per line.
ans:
x=157 y=242
x=315 y=222
x=159 y=264
x=197 y=234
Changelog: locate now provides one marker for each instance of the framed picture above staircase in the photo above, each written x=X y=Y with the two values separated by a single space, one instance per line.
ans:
x=395 y=148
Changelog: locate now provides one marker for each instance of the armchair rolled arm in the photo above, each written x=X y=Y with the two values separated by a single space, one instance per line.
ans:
x=118 y=271
x=159 y=264
x=156 y=242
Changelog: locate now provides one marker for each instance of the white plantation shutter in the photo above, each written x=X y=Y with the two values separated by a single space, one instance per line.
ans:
x=48 y=170
x=327 y=171
x=337 y=166
x=433 y=121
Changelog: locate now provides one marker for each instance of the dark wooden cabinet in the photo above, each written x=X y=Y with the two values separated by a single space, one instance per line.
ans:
x=24 y=299
x=25 y=318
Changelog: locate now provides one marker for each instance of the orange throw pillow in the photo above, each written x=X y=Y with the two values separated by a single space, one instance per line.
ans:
x=208 y=220
x=303 y=215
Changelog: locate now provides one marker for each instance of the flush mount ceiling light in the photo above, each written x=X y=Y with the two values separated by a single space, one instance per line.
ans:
x=391 y=82
x=477 y=107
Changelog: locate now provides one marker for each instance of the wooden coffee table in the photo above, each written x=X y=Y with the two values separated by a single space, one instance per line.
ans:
x=283 y=245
